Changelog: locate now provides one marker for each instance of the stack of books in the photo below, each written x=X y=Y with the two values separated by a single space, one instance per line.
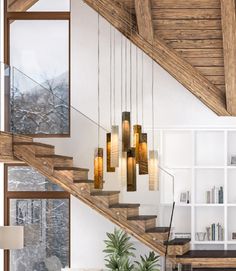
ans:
x=215 y=195
x=215 y=232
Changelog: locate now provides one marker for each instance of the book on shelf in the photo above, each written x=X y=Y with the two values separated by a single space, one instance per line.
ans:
x=215 y=195
x=215 y=232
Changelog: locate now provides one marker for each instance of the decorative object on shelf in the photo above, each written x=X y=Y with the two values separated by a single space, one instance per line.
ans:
x=108 y=146
x=98 y=168
x=153 y=154
x=11 y=237
x=233 y=160
x=234 y=235
x=131 y=170
x=114 y=128
x=215 y=195
x=185 y=197
x=143 y=146
x=201 y=236
x=215 y=232
x=98 y=157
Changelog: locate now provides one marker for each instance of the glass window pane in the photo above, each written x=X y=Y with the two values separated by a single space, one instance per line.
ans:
x=46 y=238
x=38 y=5
x=40 y=85
x=24 y=178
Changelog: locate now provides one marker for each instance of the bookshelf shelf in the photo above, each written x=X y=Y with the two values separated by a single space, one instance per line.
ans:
x=200 y=159
x=209 y=205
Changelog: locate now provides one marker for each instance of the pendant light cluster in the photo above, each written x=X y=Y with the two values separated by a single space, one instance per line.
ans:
x=133 y=152
x=98 y=155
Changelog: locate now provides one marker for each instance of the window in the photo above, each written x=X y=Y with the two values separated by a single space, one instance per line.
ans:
x=43 y=209
x=38 y=5
x=37 y=46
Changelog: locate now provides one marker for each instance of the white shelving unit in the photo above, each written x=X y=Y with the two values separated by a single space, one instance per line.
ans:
x=200 y=159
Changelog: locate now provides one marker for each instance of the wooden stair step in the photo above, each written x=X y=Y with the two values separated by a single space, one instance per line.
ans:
x=159 y=234
x=178 y=242
x=143 y=222
x=35 y=144
x=143 y=217
x=178 y=246
x=158 y=230
x=36 y=147
x=73 y=173
x=70 y=169
x=225 y=259
x=106 y=198
x=54 y=160
x=84 y=181
x=54 y=156
x=125 y=205
x=101 y=193
x=125 y=210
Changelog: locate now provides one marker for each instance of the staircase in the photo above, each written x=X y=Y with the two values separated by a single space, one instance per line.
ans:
x=60 y=170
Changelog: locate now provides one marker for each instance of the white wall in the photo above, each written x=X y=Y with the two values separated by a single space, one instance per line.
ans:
x=174 y=107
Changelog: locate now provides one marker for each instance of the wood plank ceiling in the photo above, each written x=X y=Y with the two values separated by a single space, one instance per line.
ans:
x=193 y=29
x=188 y=42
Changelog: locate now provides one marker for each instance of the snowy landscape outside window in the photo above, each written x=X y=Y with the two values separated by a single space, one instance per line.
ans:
x=45 y=217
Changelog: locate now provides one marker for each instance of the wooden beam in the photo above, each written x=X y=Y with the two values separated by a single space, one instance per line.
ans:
x=143 y=11
x=21 y=5
x=228 y=19
x=115 y=13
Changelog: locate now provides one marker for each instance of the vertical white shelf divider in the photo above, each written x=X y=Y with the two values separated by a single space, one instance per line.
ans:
x=225 y=189
x=193 y=185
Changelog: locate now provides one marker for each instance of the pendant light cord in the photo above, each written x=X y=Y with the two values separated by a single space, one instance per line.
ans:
x=110 y=76
x=153 y=103
x=142 y=92
x=98 y=79
x=121 y=72
x=114 y=76
x=126 y=80
x=136 y=84
x=131 y=77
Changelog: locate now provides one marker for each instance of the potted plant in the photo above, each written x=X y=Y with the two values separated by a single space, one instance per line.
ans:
x=119 y=254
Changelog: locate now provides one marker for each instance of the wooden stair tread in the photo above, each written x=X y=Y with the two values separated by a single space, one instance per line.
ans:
x=125 y=205
x=142 y=217
x=35 y=144
x=158 y=230
x=70 y=168
x=178 y=242
x=209 y=254
x=104 y=193
x=84 y=181
x=53 y=156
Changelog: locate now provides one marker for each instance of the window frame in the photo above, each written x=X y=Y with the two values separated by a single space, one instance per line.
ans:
x=42 y=15
x=8 y=195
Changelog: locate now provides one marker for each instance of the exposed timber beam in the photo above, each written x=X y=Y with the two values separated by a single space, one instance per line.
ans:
x=143 y=11
x=21 y=5
x=228 y=19
x=116 y=14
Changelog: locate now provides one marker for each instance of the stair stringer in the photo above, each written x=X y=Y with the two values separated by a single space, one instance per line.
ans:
x=82 y=192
